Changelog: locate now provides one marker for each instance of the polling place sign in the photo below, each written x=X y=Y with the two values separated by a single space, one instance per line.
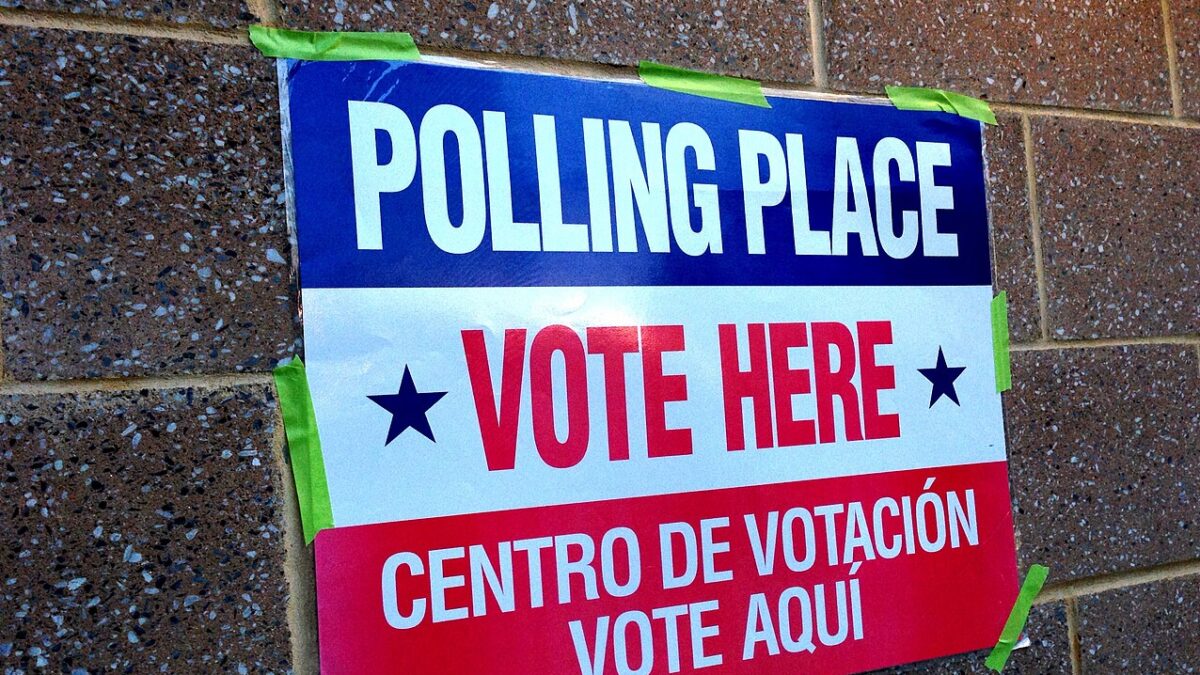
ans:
x=614 y=379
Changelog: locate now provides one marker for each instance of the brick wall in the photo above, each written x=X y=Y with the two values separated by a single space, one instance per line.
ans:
x=148 y=517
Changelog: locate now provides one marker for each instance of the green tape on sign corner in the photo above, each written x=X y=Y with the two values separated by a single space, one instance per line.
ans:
x=335 y=46
x=1000 y=342
x=723 y=87
x=921 y=98
x=1016 y=619
x=304 y=447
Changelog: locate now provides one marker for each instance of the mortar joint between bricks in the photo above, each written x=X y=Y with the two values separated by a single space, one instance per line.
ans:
x=816 y=26
x=1046 y=344
x=40 y=19
x=1172 y=60
x=1035 y=226
x=268 y=12
x=156 y=382
x=1071 y=607
x=1076 y=588
x=44 y=20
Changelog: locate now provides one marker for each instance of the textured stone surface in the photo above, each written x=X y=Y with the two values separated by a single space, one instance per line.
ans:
x=1048 y=652
x=1150 y=628
x=762 y=39
x=1185 y=15
x=142 y=225
x=1104 y=449
x=141 y=531
x=1103 y=54
x=220 y=13
x=1120 y=211
x=1012 y=236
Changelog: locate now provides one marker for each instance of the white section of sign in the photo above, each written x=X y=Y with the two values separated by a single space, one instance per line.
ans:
x=358 y=342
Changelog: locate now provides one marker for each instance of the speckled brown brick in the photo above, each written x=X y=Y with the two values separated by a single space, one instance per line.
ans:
x=1150 y=628
x=1048 y=653
x=1103 y=54
x=141 y=531
x=1185 y=15
x=762 y=39
x=141 y=208
x=1008 y=206
x=1120 y=211
x=219 y=13
x=1104 y=449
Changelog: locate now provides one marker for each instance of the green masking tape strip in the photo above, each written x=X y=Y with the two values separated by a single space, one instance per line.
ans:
x=304 y=447
x=1000 y=341
x=337 y=46
x=733 y=89
x=1016 y=620
x=921 y=98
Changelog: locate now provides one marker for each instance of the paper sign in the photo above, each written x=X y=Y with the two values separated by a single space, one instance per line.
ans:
x=613 y=379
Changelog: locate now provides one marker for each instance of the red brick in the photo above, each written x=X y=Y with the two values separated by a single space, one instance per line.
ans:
x=1120 y=227
x=219 y=13
x=142 y=531
x=1185 y=15
x=1103 y=464
x=144 y=228
x=1105 y=54
x=1151 y=628
x=1012 y=236
x=762 y=39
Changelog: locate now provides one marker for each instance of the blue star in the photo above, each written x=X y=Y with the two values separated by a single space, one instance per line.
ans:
x=408 y=407
x=942 y=377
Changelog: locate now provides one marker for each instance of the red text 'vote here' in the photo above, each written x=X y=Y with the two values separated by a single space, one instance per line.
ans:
x=756 y=365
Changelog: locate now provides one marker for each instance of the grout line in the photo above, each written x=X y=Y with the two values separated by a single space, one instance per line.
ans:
x=816 y=39
x=298 y=566
x=537 y=64
x=223 y=380
x=1040 y=110
x=619 y=73
x=1117 y=580
x=1153 y=119
x=85 y=385
x=1035 y=226
x=268 y=12
x=1072 y=607
x=102 y=24
x=1092 y=343
x=1172 y=60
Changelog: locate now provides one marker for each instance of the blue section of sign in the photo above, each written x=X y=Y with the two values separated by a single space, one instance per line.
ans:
x=318 y=93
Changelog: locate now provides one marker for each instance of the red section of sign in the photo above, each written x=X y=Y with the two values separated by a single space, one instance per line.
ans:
x=936 y=577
